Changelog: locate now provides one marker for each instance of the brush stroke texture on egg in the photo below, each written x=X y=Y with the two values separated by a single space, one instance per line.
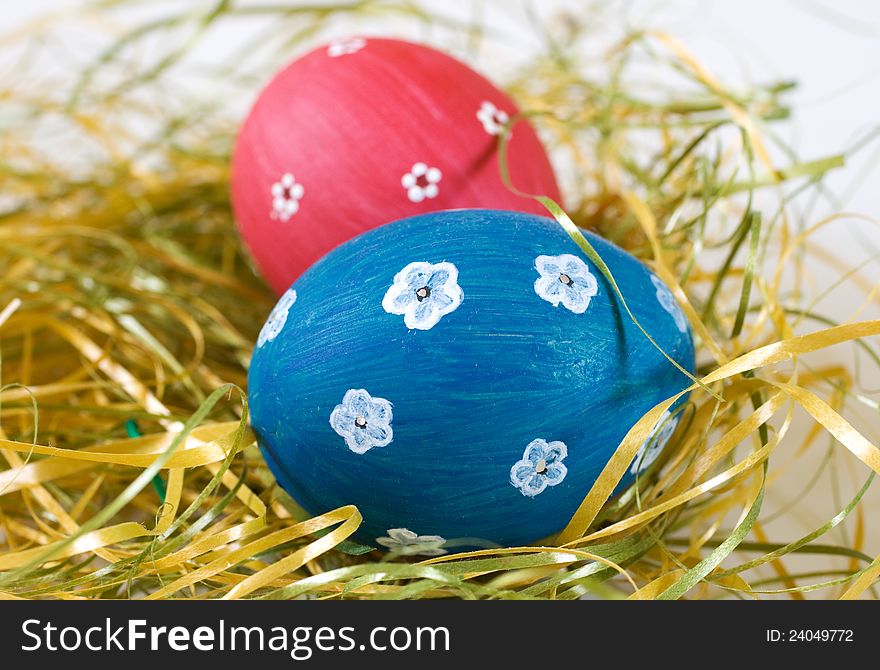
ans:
x=489 y=421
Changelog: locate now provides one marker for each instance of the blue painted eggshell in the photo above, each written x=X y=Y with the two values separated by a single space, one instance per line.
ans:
x=462 y=377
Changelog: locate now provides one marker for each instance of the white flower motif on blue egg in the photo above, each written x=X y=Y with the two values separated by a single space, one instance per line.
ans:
x=541 y=466
x=404 y=542
x=565 y=279
x=363 y=421
x=653 y=446
x=424 y=293
x=668 y=302
x=277 y=318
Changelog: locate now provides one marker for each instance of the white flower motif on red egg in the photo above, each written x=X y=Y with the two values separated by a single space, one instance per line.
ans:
x=492 y=118
x=286 y=194
x=346 y=46
x=421 y=182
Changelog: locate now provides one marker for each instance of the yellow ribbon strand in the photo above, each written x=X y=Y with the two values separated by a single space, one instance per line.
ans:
x=206 y=444
x=762 y=357
x=863 y=582
x=349 y=516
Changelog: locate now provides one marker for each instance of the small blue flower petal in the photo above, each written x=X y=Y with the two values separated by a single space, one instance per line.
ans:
x=547 y=265
x=520 y=473
x=555 y=473
x=549 y=288
x=438 y=278
x=380 y=410
x=404 y=299
x=359 y=402
x=555 y=451
x=376 y=433
x=535 y=451
x=574 y=266
x=422 y=313
x=440 y=300
x=535 y=485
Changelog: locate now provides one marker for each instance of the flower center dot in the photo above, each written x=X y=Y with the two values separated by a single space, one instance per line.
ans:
x=360 y=422
x=421 y=181
x=423 y=293
x=565 y=279
x=541 y=467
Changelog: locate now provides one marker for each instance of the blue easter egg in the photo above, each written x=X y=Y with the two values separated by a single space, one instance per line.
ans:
x=462 y=377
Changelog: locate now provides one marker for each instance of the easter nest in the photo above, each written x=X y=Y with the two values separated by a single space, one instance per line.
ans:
x=129 y=311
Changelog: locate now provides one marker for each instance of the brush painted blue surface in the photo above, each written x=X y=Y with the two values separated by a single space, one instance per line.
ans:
x=463 y=374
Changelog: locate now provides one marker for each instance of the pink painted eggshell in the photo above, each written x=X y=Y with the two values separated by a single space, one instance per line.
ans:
x=365 y=131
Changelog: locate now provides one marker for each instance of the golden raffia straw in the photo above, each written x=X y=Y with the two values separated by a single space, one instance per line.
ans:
x=127 y=298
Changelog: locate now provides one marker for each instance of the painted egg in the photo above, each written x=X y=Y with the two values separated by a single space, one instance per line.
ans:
x=366 y=131
x=462 y=377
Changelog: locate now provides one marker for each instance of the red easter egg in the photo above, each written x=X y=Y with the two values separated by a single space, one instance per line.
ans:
x=367 y=131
